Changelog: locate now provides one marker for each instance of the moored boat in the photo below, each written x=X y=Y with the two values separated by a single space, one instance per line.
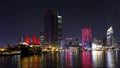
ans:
x=30 y=49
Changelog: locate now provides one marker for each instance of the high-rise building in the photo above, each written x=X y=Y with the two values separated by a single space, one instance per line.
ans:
x=110 y=37
x=86 y=36
x=69 y=41
x=53 y=27
x=104 y=41
x=42 y=38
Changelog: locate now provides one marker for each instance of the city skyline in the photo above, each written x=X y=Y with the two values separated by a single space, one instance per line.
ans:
x=21 y=18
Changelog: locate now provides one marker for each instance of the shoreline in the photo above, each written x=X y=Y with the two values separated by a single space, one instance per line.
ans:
x=19 y=53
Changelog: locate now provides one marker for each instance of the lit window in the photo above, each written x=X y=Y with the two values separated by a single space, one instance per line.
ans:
x=59 y=21
x=59 y=26
x=59 y=16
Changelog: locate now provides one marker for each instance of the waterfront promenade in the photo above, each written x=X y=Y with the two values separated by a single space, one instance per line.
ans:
x=4 y=51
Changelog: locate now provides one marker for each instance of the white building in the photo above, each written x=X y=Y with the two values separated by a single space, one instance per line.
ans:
x=110 y=37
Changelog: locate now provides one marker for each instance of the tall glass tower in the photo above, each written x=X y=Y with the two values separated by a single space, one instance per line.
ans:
x=53 y=28
x=110 y=37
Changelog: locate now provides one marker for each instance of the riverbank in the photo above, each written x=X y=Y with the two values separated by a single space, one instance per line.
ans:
x=10 y=53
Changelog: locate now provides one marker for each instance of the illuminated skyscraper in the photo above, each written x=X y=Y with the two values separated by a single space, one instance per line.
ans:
x=110 y=37
x=86 y=36
x=53 y=27
x=42 y=38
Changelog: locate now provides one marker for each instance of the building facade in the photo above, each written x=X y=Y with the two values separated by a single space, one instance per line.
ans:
x=53 y=28
x=86 y=36
x=41 y=38
x=110 y=37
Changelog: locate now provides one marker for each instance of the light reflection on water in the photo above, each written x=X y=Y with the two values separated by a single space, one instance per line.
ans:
x=98 y=58
x=64 y=59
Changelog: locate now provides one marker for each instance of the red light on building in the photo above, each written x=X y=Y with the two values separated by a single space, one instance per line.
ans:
x=38 y=41
x=27 y=39
x=34 y=40
x=86 y=35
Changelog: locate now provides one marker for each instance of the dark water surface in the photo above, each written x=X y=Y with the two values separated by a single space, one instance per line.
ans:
x=64 y=59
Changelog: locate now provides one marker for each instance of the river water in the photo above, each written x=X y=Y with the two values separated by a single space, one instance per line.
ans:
x=64 y=59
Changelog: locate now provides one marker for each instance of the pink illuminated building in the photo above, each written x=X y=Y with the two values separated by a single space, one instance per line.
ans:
x=86 y=35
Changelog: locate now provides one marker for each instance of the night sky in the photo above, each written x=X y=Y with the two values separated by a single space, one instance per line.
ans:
x=26 y=17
